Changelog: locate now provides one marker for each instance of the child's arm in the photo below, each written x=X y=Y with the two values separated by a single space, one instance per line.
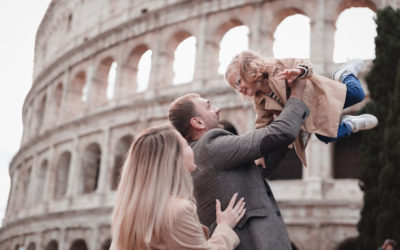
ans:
x=295 y=68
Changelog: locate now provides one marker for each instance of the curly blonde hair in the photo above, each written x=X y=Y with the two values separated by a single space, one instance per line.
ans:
x=251 y=67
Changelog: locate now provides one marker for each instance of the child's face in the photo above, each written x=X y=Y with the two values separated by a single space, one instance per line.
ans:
x=247 y=89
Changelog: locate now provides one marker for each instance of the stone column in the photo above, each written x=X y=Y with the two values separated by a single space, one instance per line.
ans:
x=322 y=39
x=201 y=68
x=63 y=107
x=74 y=177
x=31 y=194
x=102 y=182
x=264 y=40
x=91 y=93
x=48 y=193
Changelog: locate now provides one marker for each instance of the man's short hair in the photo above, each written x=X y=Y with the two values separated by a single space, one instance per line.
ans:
x=180 y=112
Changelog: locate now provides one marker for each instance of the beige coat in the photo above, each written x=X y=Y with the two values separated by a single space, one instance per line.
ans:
x=188 y=233
x=323 y=96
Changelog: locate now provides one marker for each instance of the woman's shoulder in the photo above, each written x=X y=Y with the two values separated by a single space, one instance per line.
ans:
x=181 y=205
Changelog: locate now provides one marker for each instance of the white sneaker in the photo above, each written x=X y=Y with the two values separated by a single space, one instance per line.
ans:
x=350 y=67
x=361 y=122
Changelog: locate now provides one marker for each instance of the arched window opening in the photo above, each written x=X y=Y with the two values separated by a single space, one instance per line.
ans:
x=233 y=42
x=106 y=244
x=292 y=37
x=79 y=245
x=111 y=80
x=103 y=82
x=41 y=179
x=119 y=158
x=90 y=168
x=290 y=168
x=52 y=245
x=62 y=173
x=347 y=157
x=143 y=74
x=31 y=246
x=40 y=114
x=355 y=35
x=183 y=66
x=77 y=94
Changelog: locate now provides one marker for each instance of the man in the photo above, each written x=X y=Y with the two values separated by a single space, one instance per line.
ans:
x=225 y=165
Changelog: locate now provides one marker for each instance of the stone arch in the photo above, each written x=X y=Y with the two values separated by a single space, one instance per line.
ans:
x=98 y=91
x=77 y=94
x=129 y=83
x=355 y=3
x=90 y=165
x=78 y=244
x=184 y=60
x=229 y=127
x=168 y=54
x=40 y=113
x=106 y=244
x=284 y=13
x=62 y=173
x=350 y=33
x=52 y=245
x=347 y=244
x=217 y=36
x=41 y=179
x=31 y=246
x=231 y=44
x=289 y=44
x=121 y=150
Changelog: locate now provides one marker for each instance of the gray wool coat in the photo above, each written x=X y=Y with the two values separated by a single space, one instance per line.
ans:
x=225 y=165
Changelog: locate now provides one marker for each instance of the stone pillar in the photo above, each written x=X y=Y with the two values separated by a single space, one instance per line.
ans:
x=63 y=107
x=161 y=72
x=103 y=184
x=74 y=177
x=49 y=187
x=201 y=68
x=30 y=195
x=95 y=241
x=319 y=169
x=91 y=93
x=264 y=40
x=322 y=39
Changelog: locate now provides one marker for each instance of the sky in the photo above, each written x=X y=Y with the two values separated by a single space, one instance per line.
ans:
x=19 y=21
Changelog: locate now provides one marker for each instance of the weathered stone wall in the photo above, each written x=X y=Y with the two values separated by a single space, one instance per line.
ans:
x=61 y=179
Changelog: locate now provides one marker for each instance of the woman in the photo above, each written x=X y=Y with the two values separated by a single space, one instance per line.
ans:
x=155 y=207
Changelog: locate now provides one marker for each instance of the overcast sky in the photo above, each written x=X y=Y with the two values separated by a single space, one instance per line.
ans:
x=19 y=21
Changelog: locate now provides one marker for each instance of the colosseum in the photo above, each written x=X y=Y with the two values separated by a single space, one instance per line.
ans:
x=64 y=176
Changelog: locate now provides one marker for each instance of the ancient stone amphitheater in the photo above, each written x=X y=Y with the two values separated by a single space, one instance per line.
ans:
x=64 y=177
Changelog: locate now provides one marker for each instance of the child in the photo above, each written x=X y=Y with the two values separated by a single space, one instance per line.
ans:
x=266 y=80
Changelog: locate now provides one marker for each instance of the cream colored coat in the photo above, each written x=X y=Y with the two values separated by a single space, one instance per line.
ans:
x=323 y=96
x=188 y=232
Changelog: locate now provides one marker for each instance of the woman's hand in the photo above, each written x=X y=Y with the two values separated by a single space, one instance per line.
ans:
x=290 y=74
x=232 y=214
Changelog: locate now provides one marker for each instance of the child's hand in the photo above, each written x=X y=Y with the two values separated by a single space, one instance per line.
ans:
x=289 y=74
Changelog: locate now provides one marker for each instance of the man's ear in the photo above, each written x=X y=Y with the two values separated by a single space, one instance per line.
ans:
x=196 y=122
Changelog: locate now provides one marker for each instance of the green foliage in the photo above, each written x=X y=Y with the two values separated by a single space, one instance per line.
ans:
x=380 y=150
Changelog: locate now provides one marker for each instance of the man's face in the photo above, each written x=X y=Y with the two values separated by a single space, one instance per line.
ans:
x=208 y=114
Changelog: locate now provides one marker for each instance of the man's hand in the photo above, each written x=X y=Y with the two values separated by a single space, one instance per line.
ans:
x=297 y=88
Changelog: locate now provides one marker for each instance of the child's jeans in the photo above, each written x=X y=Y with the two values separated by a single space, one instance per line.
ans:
x=354 y=94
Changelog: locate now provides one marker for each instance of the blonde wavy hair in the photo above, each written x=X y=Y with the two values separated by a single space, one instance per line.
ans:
x=153 y=173
x=251 y=67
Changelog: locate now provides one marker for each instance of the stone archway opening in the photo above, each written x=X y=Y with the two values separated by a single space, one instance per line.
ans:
x=90 y=163
x=183 y=66
x=120 y=154
x=62 y=173
x=52 y=245
x=79 y=245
